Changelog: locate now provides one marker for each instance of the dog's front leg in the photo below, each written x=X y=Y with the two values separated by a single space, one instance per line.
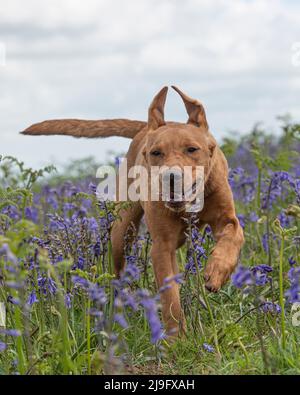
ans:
x=164 y=264
x=229 y=240
x=165 y=230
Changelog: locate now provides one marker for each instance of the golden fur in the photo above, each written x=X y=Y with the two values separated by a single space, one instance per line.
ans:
x=168 y=227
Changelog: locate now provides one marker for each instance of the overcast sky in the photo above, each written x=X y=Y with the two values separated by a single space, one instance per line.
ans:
x=98 y=59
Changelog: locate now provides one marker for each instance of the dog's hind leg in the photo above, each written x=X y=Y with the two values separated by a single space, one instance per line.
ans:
x=130 y=217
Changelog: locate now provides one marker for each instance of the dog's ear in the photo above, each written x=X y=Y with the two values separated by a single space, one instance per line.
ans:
x=194 y=109
x=156 y=110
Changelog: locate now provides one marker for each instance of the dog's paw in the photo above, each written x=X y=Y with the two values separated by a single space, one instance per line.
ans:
x=216 y=273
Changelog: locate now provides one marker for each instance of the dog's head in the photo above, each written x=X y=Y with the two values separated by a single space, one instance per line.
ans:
x=175 y=147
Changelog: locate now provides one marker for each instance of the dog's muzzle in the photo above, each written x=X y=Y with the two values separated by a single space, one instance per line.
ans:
x=172 y=189
x=176 y=196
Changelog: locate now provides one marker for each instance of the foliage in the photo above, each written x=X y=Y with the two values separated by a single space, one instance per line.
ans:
x=68 y=314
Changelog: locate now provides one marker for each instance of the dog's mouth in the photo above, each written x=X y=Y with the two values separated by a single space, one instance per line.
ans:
x=178 y=203
x=175 y=206
x=190 y=194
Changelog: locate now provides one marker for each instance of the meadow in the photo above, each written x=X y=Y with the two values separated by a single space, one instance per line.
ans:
x=66 y=313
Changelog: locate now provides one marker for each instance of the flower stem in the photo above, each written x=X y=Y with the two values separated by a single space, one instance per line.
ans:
x=88 y=336
x=281 y=297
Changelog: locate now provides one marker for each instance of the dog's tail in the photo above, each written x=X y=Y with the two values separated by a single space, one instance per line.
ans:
x=85 y=128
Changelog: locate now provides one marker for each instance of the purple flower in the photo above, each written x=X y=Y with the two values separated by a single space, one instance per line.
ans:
x=284 y=220
x=269 y=307
x=68 y=300
x=51 y=286
x=47 y=285
x=95 y=292
x=275 y=187
x=6 y=253
x=178 y=278
x=261 y=274
x=93 y=225
x=80 y=263
x=92 y=188
x=208 y=347
x=257 y=275
x=293 y=293
x=12 y=300
x=241 y=277
x=132 y=272
x=151 y=312
x=242 y=220
x=126 y=298
x=12 y=212
x=32 y=298
x=97 y=249
x=118 y=161
x=120 y=319
x=292 y=261
x=2 y=346
x=32 y=214
x=10 y=332
x=14 y=285
x=82 y=282
x=196 y=253
x=253 y=217
x=265 y=242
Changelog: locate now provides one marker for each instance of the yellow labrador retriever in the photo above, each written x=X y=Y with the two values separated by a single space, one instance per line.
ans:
x=171 y=144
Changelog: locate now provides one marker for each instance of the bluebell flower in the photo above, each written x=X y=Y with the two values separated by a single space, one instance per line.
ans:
x=2 y=346
x=270 y=307
x=178 y=278
x=80 y=263
x=93 y=225
x=68 y=206
x=14 y=284
x=92 y=188
x=32 y=298
x=274 y=189
x=292 y=261
x=242 y=220
x=82 y=282
x=51 y=286
x=242 y=276
x=208 y=347
x=261 y=274
x=117 y=161
x=265 y=242
x=10 y=332
x=196 y=254
x=293 y=293
x=95 y=292
x=6 y=253
x=253 y=217
x=285 y=221
x=97 y=249
x=120 y=319
x=32 y=214
x=13 y=300
x=151 y=312
x=68 y=300
x=12 y=212
x=46 y=285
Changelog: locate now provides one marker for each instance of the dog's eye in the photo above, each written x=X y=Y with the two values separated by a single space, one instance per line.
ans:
x=192 y=149
x=156 y=153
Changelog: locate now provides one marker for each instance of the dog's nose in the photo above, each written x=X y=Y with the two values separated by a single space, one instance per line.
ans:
x=172 y=179
x=172 y=176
